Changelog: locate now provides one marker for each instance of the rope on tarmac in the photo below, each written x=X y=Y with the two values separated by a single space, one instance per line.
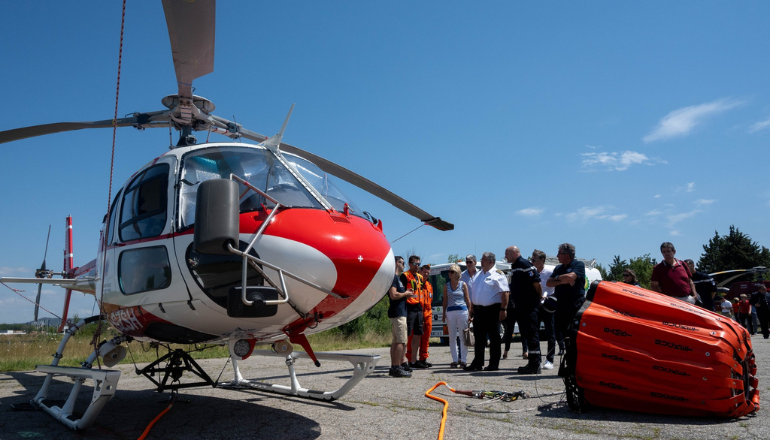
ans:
x=494 y=395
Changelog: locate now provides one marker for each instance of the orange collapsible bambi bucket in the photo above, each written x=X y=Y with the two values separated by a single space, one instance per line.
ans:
x=638 y=350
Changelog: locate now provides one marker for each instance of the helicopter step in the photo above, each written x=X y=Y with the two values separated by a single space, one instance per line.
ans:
x=363 y=364
x=105 y=385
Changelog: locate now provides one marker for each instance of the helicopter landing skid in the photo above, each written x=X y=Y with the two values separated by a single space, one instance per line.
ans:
x=363 y=364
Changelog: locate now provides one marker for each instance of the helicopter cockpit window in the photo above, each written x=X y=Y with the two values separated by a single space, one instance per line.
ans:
x=140 y=270
x=111 y=219
x=143 y=213
x=259 y=166
x=323 y=183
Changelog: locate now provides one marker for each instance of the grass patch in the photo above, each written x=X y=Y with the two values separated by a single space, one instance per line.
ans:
x=24 y=352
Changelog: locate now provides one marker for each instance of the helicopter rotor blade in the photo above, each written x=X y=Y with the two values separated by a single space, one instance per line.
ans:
x=359 y=181
x=16 y=134
x=191 y=31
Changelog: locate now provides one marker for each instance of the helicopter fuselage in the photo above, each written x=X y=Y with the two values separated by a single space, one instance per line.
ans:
x=156 y=286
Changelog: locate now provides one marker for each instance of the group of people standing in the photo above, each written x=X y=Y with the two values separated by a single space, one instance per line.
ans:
x=411 y=317
x=492 y=299
x=680 y=280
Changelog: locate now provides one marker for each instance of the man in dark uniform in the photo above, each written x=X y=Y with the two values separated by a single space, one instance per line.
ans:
x=704 y=285
x=760 y=301
x=568 y=280
x=526 y=291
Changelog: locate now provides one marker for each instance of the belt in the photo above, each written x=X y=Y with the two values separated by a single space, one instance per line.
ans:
x=453 y=308
x=476 y=306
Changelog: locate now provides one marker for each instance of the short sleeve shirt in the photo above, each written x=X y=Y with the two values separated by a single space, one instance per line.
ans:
x=397 y=308
x=674 y=280
x=544 y=275
x=565 y=291
x=488 y=288
x=468 y=279
x=524 y=276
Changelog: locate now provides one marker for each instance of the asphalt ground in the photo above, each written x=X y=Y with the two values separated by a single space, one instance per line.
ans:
x=380 y=407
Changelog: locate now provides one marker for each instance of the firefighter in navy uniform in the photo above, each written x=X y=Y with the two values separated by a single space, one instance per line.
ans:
x=526 y=291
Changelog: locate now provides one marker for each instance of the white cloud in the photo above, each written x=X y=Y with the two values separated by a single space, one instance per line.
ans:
x=704 y=202
x=596 y=212
x=690 y=187
x=656 y=196
x=681 y=121
x=530 y=212
x=761 y=125
x=654 y=212
x=675 y=233
x=6 y=271
x=676 y=218
x=616 y=161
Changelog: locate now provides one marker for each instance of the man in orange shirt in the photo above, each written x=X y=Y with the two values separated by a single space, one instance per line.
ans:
x=414 y=313
x=426 y=300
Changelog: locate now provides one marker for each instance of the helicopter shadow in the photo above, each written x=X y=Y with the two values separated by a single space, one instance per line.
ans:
x=213 y=414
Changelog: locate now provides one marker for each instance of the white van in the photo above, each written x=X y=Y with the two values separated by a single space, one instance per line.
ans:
x=438 y=278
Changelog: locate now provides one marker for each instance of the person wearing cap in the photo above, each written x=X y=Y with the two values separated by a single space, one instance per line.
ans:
x=760 y=300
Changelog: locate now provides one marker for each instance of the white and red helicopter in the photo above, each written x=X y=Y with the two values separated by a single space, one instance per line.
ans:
x=220 y=243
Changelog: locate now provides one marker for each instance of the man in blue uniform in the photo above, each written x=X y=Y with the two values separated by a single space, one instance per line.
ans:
x=568 y=281
x=704 y=285
x=527 y=291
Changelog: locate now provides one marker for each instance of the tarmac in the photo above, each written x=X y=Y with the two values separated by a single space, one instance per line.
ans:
x=380 y=407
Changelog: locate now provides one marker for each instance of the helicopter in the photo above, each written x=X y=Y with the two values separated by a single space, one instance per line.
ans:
x=223 y=243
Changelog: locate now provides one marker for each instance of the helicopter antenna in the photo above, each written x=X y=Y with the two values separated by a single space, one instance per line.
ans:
x=274 y=142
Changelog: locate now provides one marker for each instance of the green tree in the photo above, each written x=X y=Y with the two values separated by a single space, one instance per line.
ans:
x=735 y=250
x=616 y=269
x=452 y=258
x=603 y=271
x=642 y=266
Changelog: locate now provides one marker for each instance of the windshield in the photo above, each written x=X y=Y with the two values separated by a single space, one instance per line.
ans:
x=323 y=183
x=256 y=165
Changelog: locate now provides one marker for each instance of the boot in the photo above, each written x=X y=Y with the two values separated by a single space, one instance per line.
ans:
x=533 y=366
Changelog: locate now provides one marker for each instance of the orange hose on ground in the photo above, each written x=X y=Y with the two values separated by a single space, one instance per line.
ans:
x=443 y=411
x=147 y=429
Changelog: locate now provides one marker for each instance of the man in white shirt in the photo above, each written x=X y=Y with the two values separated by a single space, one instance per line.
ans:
x=489 y=300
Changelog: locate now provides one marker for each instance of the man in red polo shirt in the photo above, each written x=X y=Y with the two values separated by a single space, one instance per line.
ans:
x=672 y=277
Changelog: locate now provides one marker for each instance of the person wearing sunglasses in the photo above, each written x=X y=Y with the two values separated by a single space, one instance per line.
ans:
x=629 y=277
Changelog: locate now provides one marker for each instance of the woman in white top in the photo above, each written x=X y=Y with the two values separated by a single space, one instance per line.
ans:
x=455 y=306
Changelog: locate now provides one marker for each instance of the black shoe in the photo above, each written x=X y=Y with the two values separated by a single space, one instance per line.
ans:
x=397 y=371
x=405 y=366
x=428 y=364
x=472 y=367
x=419 y=364
x=530 y=369
x=491 y=368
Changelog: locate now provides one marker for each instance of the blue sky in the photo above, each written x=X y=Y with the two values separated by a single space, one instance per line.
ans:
x=611 y=125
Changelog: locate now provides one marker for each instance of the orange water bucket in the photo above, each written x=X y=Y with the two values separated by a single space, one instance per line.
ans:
x=639 y=350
